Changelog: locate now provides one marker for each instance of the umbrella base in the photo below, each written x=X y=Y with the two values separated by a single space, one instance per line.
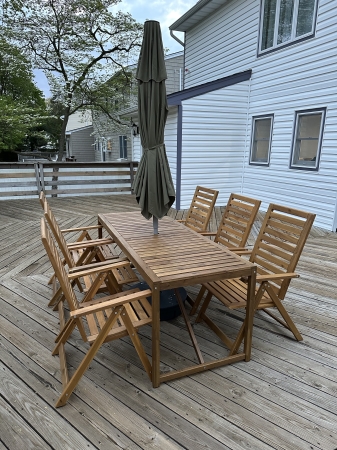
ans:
x=169 y=307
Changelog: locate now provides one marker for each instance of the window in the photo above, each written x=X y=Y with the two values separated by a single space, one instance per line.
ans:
x=285 y=21
x=261 y=140
x=109 y=145
x=308 y=132
x=123 y=147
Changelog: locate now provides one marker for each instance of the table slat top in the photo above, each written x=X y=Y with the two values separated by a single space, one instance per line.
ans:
x=177 y=256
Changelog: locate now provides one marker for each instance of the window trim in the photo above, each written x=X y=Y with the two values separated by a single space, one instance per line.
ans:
x=305 y=112
x=294 y=41
x=261 y=117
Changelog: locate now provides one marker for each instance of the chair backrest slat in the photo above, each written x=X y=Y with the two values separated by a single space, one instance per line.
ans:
x=237 y=221
x=58 y=235
x=280 y=242
x=58 y=267
x=200 y=211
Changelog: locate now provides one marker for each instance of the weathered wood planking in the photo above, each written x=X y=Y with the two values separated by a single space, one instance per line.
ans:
x=284 y=398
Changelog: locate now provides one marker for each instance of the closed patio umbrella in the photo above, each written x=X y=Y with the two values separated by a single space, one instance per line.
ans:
x=153 y=183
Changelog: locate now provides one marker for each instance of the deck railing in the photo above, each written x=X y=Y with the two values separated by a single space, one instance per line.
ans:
x=65 y=178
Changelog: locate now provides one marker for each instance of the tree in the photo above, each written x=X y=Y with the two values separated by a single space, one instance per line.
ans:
x=22 y=107
x=79 y=44
x=109 y=100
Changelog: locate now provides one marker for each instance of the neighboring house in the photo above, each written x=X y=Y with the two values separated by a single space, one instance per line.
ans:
x=258 y=113
x=79 y=138
x=116 y=146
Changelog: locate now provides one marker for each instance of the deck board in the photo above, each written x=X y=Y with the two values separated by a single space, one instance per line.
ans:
x=284 y=398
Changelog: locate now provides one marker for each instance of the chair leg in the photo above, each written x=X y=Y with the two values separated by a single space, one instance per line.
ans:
x=204 y=307
x=56 y=297
x=289 y=323
x=88 y=358
x=241 y=333
x=198 y=300
x=136 y=341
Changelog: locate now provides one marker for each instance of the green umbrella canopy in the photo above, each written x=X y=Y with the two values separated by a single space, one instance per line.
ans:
x=153 y=183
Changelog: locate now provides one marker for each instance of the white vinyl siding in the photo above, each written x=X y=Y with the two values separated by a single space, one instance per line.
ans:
x=81 y=145
x=136 y=148
x=223 y=44
x=170 y=140
x=213 y=142
x=302 y=76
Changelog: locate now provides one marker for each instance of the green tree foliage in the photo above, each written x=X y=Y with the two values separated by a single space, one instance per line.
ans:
x=79 y=44
x=21 y=103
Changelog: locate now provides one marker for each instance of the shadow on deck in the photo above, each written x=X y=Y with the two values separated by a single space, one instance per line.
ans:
x=284 y=398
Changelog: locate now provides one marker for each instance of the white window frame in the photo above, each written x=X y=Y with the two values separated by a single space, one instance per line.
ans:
x=294 y=165
x=293 y=38
x=254 y=119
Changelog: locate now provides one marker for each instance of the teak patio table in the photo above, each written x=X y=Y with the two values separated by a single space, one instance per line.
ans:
x=178 y=257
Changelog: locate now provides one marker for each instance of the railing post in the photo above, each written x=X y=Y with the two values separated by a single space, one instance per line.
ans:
x=131 y=173
x=42 y=176
x=37 y=177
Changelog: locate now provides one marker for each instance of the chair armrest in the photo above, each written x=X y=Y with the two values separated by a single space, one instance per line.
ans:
x=97 y=264
x=72 y=230
x=91 y=270
x=276 y=276
x=89 y=243
x=110 y=301
x=180 y=220
x=207 y=233
x=241 y=251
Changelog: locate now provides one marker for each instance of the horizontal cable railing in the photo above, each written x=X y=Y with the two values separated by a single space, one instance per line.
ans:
x=27 y=180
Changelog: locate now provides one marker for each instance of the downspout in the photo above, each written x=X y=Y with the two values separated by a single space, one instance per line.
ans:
x=247 y=139
x=176 y=38
x=179 y=138
x=179 y=155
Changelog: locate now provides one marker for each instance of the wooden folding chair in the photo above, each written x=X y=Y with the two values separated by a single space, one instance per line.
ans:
x=234 y=229
x=201 y=209
x=81 y=253
x=106 y=247
x=98 y=321
x=276 y=253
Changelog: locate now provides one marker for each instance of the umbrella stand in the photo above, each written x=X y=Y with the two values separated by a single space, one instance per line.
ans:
x=155 y=225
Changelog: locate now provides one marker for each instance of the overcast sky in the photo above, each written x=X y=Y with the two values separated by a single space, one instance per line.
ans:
x=166 y=12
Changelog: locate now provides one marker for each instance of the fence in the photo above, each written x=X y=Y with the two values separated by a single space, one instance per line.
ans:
x=27 y=180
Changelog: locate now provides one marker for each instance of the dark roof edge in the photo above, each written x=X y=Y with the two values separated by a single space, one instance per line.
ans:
x=177 y=97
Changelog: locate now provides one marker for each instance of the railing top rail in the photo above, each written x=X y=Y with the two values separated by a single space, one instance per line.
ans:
x=23 y=165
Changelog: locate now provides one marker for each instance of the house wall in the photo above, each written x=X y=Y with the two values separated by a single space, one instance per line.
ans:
x=174 y=68
x=170 y=139
x=81 y=145
x=213 y=142
x=137 y=148
x=112 y=154
x=79 y=119
x=300 y=76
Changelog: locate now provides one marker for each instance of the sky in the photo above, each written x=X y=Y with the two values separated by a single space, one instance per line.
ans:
x=165 y=11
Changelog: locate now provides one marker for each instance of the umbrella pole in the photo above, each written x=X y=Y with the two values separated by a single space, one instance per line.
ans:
x=155 y=225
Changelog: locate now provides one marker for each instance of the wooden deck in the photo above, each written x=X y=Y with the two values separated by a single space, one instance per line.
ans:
x=284 y=398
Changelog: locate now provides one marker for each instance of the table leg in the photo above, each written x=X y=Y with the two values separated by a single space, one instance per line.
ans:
x=155 y=336
x=249 y=315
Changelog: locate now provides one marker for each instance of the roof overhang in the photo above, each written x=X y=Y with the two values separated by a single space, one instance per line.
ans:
x=76 y=130
x=177 y=97
x=196 y=14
